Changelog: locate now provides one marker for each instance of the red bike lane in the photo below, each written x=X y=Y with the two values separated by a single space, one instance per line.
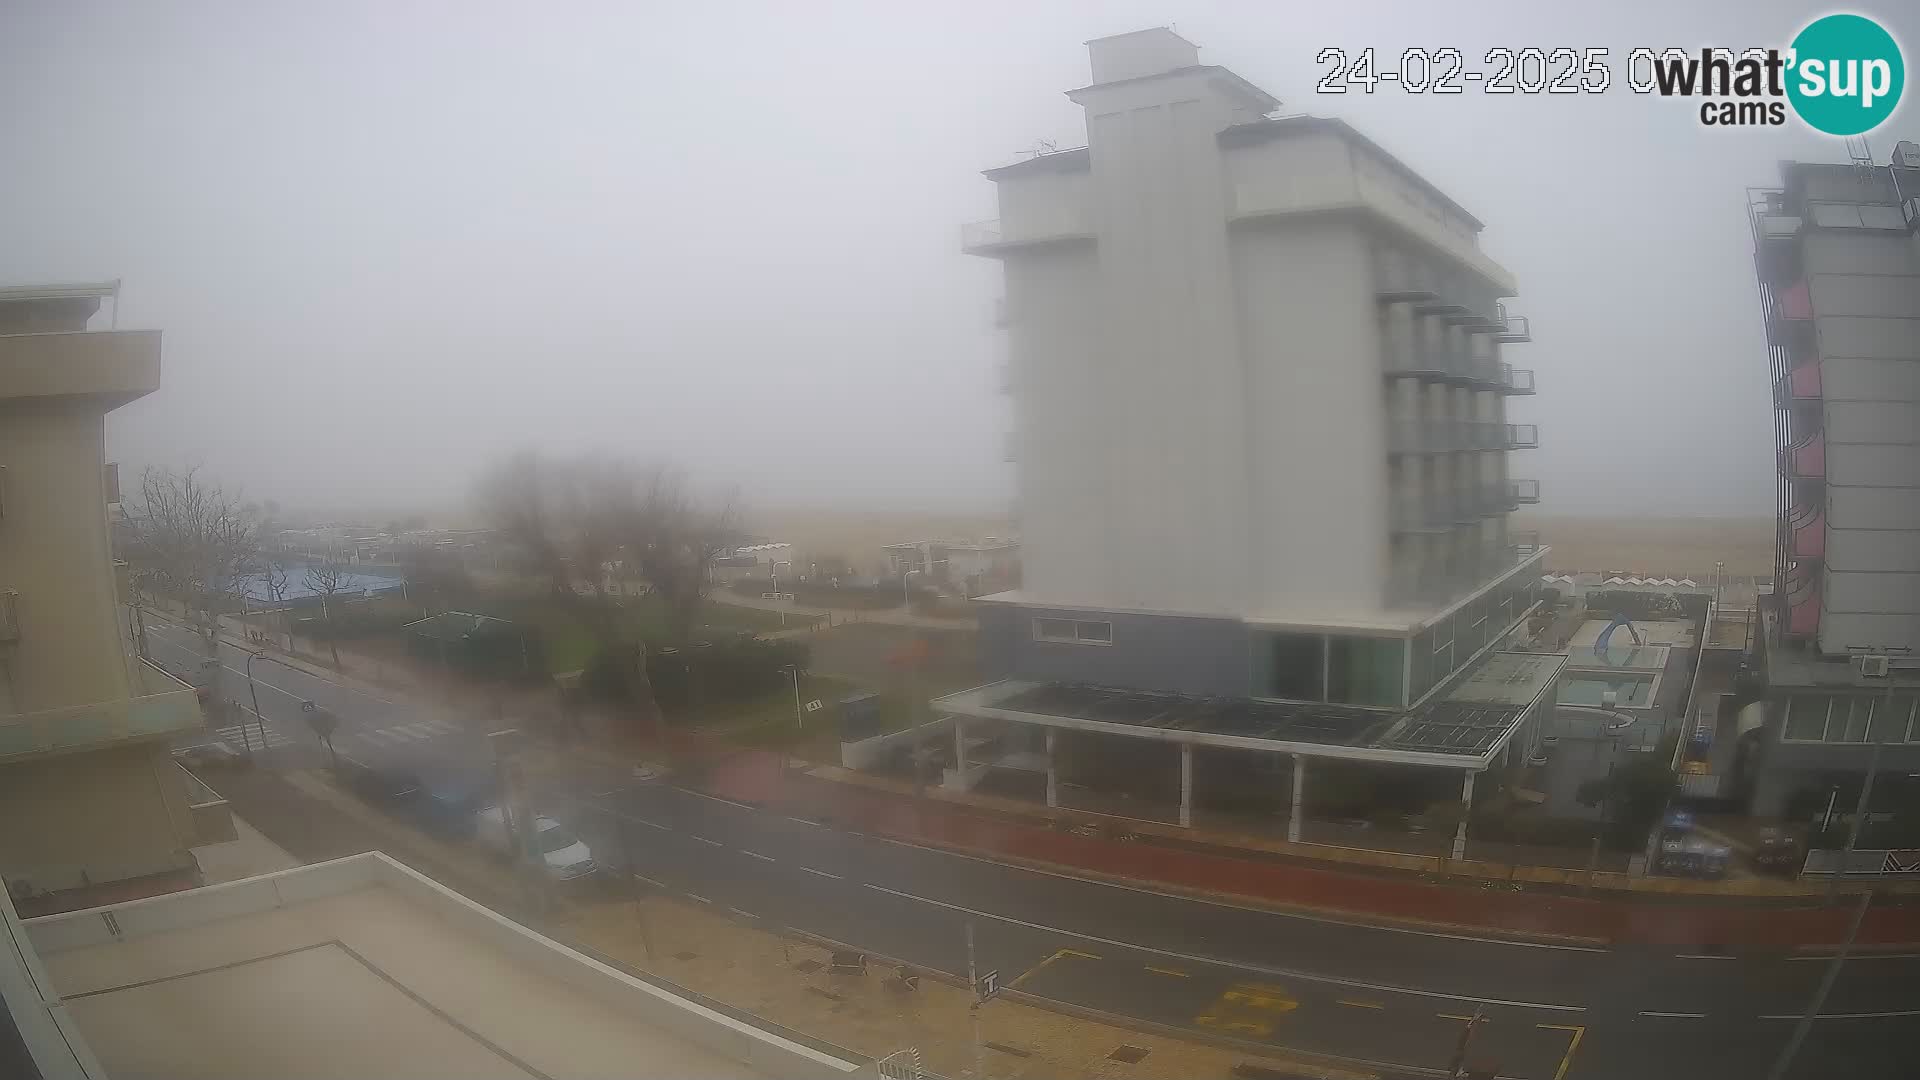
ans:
x=761 y=778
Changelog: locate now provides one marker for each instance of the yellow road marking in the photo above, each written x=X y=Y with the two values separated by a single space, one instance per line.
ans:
x=1361 y=1004
x=1260 y=997
x=1573 y=1044
x=1238 y=1027
x=1457 y=1016
x=1167 y=971
x=1037 y=968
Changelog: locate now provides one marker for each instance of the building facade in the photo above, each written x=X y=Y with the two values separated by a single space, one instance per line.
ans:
x=91 y=802
x=1258 y=384
x=1839 y=273
x=1260 y=403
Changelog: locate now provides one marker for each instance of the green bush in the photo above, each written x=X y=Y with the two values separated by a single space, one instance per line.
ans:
x=727 y=670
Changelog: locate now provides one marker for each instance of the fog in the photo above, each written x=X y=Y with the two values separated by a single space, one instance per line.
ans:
x=389 y=242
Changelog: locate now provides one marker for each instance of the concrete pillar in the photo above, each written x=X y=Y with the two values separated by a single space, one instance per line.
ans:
x=1053 y=773
x=1299 y=789
x=960 y=746
x=1466 y=810
x=1186 y=785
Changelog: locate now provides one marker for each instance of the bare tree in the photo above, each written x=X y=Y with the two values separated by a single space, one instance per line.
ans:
x=188 y=539
x=578 y=522
x=277 y=579
x=327 y=577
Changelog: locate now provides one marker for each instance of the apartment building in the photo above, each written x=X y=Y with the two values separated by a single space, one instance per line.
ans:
x=1839 y=273
x=1261 y=428
x=92 y=807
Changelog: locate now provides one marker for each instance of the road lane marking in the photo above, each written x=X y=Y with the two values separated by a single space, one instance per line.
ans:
x=1703 y=956
x=644 y=821
x=1573 y=1044
x=757 y=855
x=802 y=821
x=716 y=798
x=1673 y=1015
x=650 y=881
x=1360 y=1004
x=1846 y=1016
x=1457 y=1016
x=704 y=840
x=697 y=897
x=743 y=913
x=1058 y=954
x=604 y=794
x=1333 y=980
x=1275 y=912
x=1168 y=971
x=1851 y=957
x=823 y=873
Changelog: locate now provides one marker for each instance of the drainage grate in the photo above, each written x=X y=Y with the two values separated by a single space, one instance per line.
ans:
x=1128 y=1054
x=808 y=966
x=685 y=955
x=1005 y=1049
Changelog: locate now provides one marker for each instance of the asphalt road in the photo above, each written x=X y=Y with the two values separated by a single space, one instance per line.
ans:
x=1397 y=997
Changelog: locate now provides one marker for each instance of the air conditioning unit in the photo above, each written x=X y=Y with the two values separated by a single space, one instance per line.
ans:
x=1874 y=667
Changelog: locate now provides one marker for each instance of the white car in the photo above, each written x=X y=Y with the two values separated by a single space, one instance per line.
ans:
x=566 y=856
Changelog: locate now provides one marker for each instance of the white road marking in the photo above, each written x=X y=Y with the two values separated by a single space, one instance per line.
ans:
x=1237 y=965
x=604 y=794
x=1846 y=1016
x=650 y=881
x=823 y=873
x=1851 y=957
x=648 y=824
x=716 y=798
x=704 y=840
x=1280 y=914
x=757 y=855
x=698 y=897
x=1673 y=1015
x=743 y=913
x=1703 y=956
x=802 y=821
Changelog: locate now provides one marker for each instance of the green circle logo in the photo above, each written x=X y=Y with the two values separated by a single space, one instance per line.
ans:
x=1847 y=74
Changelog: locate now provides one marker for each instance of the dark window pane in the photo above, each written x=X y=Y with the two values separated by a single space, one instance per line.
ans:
x=1095 y=631
x=1297 y=660
x=1365 y=671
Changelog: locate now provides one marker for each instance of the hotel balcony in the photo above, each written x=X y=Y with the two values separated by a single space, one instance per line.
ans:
x=1522 y=437
x=995 y=237
x=1523 y=492
x=1515 y=381
x=163 y=708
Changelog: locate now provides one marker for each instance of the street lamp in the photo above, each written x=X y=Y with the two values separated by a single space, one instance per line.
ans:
x=906 y=598
x=774 y=569
x=794 y=671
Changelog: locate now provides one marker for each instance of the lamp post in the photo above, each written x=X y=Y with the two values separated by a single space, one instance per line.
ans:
x=794 y=671
x=774 y=570
x=906 y=598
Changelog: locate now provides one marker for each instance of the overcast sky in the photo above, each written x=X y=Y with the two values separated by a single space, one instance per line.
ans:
x=389 y=240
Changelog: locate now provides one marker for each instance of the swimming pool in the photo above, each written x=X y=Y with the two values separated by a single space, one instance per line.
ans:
x=1635 y=689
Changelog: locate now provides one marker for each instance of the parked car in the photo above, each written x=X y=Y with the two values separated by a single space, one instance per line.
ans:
x=565 y=855
x=390 y=787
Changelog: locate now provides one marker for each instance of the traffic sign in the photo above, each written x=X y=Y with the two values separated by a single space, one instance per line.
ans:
x=815 y=705
x=988 y=986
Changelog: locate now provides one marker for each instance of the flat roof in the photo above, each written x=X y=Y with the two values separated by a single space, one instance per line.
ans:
x=78 y=290
x=1270 y=127
x=1462 y=729
x=363 y=967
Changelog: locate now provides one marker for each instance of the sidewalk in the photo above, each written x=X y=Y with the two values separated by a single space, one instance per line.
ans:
x=1693 y=922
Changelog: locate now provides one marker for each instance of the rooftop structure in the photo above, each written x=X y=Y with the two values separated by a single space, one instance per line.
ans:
x=363 y=967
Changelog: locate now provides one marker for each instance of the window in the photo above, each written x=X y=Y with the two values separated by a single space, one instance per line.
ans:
x=1442 y=650
x=1891 y=720
x=1299 y=667
x=1076 y=631
x=1365 y=671
x=1806 y=718
x=1420 y=677
x=1847 y=722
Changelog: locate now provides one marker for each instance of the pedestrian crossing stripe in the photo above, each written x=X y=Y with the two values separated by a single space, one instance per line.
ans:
x=417 y=731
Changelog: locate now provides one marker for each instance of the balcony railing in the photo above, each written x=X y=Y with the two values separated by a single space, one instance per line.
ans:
x=1523 y=492
x=1515 y=380
x=1514 y=328
x=1523 y=542
x=988 y=237
x=169 y=707
x=979 y=234
x=1523 y=437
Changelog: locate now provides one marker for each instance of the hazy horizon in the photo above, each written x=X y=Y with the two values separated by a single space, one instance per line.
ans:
x=388 y=244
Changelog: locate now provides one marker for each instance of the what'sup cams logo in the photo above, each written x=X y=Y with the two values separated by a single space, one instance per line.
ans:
x=1842 y=75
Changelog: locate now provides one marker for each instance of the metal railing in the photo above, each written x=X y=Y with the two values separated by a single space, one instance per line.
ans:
x=1522 y=436
x=1523 y=491
x=1516 y=380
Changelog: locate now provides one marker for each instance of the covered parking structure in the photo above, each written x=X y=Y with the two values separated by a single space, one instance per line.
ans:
x=1490 y=719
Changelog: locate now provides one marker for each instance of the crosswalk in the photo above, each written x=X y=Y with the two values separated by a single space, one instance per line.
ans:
x=392 y=735
x=417 y=731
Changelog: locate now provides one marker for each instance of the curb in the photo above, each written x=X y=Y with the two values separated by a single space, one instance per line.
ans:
x=1338 y=915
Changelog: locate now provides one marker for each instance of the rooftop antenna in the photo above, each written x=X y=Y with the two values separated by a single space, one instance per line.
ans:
x=1862 y=156
x=1039 y=148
